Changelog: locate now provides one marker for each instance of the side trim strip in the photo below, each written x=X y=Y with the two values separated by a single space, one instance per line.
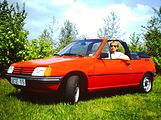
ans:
x=113 y=74
x=118 y=86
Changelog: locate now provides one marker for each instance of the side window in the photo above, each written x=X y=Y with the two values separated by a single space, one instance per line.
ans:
x=106 y=49
x=120 y=47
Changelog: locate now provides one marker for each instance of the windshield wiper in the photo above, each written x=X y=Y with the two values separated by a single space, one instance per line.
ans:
x=71 y=54
x=57 y=55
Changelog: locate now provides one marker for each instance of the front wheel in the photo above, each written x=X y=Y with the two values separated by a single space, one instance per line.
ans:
x=72 y=90
x=146 y=83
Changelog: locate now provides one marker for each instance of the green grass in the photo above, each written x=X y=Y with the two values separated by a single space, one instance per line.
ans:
x=127 y=106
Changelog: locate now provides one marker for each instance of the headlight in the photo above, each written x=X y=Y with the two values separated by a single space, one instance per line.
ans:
x=41 y=71
x=10 y=69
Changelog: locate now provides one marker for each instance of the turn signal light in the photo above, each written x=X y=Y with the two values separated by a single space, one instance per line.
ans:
x=48 y=71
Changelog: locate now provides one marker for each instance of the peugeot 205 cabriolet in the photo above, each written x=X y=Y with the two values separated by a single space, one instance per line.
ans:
x=82 y=67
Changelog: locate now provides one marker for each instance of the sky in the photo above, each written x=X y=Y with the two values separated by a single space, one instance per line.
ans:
x=87 y=15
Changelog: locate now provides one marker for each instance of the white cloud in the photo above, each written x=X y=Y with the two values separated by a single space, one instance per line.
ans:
x=62 y=2
x=88 y=19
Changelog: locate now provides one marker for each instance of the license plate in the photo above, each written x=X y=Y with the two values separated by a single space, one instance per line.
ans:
x=18 y=81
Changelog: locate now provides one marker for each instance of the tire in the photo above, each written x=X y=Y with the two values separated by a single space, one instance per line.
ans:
x=146 y=84
x=72 y=90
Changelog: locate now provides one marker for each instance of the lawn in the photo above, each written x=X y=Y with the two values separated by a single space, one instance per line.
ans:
x=109 y=105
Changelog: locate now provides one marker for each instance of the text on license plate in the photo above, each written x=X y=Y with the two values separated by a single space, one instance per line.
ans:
x=18 y=81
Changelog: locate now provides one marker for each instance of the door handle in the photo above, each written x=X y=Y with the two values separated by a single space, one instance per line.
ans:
x=128 y=63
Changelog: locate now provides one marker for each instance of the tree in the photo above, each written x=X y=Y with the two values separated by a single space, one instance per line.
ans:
x=50 y=33
x=111 y=29
x=68 y=33
x=39 y=48
x=152 y=37
x=12 y=34
x=135 y=45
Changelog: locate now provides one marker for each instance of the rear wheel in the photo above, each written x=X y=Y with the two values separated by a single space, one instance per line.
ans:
x=146 y=83
x=72 y=90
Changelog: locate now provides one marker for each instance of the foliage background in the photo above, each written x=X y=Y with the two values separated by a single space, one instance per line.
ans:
x=152 y=37
x=12 y=35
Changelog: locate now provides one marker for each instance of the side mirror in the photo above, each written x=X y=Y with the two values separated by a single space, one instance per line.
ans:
x=104 y=55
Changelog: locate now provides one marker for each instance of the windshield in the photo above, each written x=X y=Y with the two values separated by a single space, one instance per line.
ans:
x=81 y=48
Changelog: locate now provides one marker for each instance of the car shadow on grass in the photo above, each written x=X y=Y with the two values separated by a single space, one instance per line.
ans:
x=111 y=92
x=37 y=98
x=54 y=98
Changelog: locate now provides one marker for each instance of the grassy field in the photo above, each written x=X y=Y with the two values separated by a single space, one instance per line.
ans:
x=110 y=106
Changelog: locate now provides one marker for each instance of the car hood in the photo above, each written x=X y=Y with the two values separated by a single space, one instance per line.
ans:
x=46 y=61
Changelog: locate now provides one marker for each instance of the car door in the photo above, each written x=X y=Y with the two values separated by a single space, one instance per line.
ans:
x=111 y=72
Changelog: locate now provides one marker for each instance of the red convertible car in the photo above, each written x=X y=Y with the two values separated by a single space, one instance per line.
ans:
x=82 y=67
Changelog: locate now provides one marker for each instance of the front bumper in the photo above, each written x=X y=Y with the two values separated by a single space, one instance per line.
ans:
x=36 y=83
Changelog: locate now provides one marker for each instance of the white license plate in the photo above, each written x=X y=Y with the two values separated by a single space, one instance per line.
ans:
x=18 y=81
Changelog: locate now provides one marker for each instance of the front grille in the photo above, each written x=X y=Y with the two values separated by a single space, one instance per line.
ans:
x=23 y=70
